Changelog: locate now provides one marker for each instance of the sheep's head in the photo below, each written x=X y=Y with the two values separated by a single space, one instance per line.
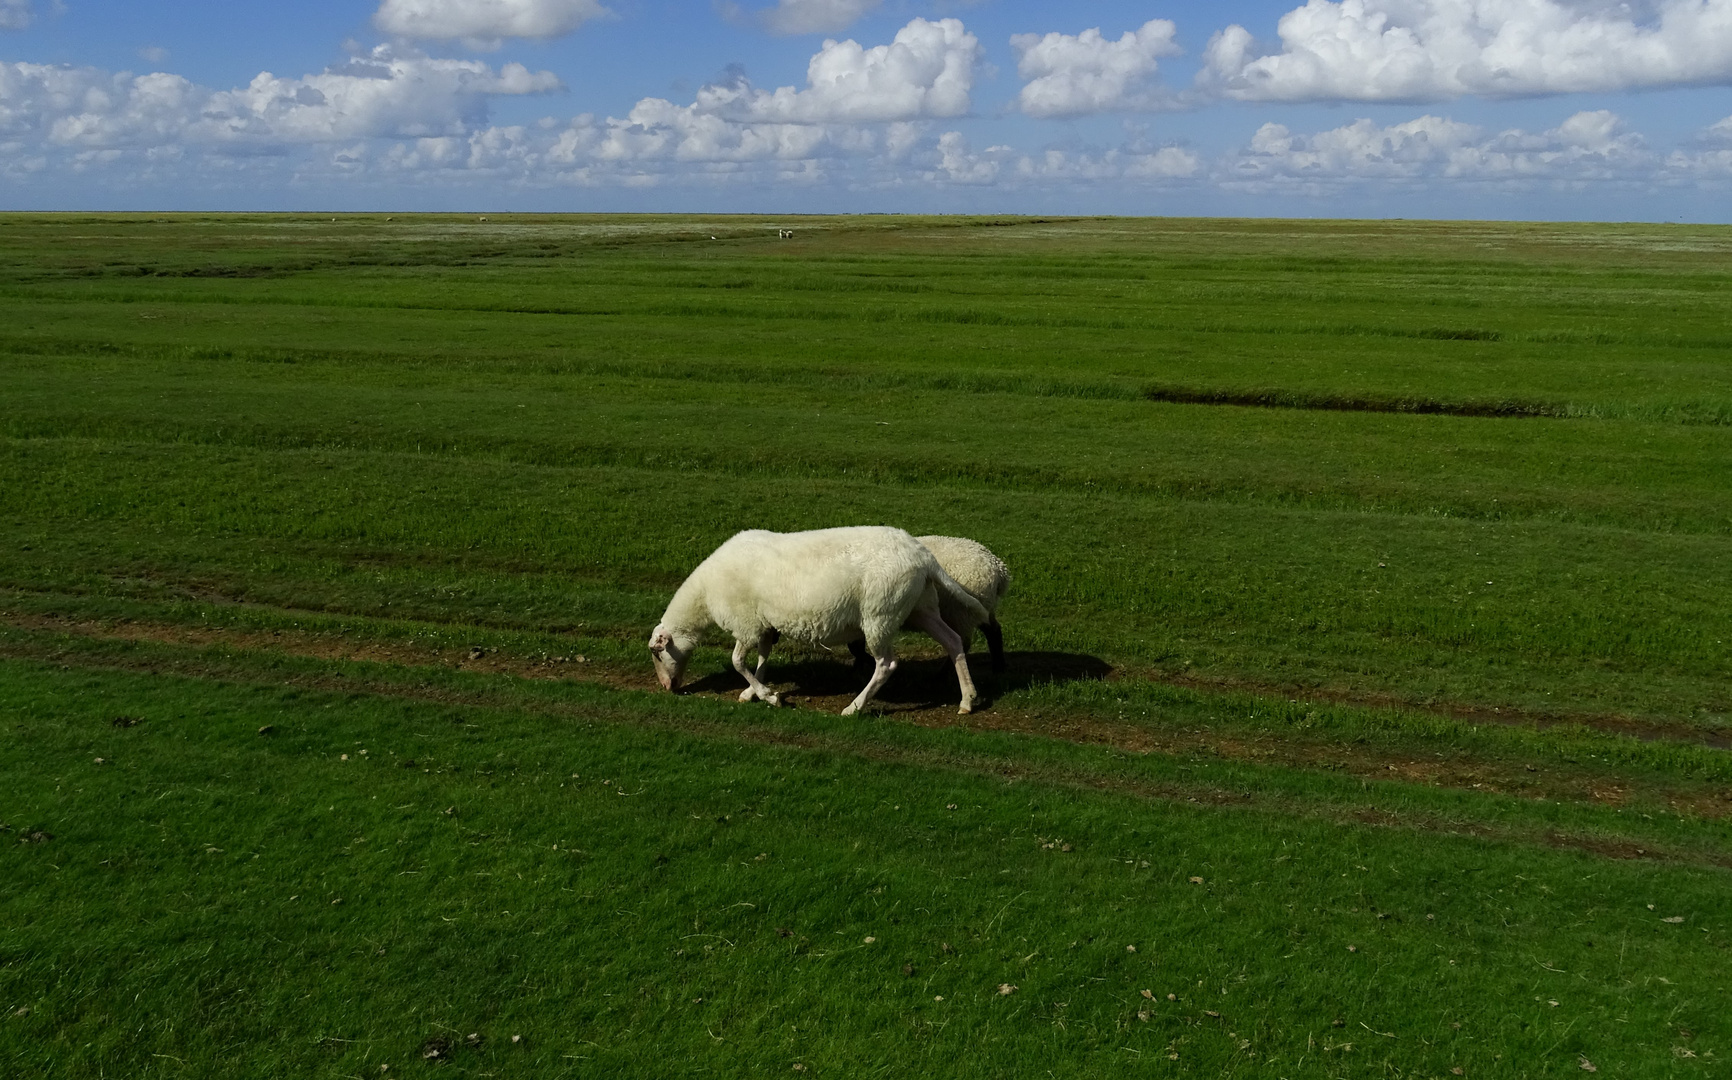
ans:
x=670 y=658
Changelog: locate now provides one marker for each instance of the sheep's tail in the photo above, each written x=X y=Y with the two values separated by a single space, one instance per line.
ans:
x=948 y=586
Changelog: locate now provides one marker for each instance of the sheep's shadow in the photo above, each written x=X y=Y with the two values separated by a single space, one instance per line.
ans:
x=920 y=682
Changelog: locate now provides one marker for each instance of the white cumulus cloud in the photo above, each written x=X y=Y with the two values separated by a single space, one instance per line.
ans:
x=958 y=164
x=927 y=71
x=660 y=130
x=378 y=94
x=14 y=14
x=1429 y=50
x=1710 y=159
x=856 y=101
x=19 y=14
x=484 y=22
x=397 y=113
x=1074 y=74
x=1167 y=163
x=790 y=17
x=1002 y=166
x=1587 y=146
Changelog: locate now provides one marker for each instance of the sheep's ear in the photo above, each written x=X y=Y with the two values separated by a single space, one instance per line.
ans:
x=660 y=641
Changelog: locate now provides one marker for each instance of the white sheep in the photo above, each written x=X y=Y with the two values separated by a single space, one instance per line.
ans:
x=973 y=566
x=827 y=587
x=983 y=575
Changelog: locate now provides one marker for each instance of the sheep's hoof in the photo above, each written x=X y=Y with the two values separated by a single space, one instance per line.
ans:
x=964 y=709
x=773 y=699
x=747 y=694
x=849 y=711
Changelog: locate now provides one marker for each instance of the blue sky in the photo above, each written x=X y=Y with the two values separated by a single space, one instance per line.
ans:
x=1545 y=109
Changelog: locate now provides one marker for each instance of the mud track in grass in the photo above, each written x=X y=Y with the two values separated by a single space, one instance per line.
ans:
x=189 y=661
x=825 y=684
x=924 y=695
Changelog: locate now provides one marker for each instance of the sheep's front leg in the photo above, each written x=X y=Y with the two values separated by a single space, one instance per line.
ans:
x=754 y=688
x=885 y=668
x=931 y=623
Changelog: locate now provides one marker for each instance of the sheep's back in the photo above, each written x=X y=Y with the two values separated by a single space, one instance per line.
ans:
x=823 y=586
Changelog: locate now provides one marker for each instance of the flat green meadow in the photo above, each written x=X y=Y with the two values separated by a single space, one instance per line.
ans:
x=1369 y=703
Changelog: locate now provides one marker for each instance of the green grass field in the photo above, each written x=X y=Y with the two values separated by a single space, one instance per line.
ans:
x=1369 y=704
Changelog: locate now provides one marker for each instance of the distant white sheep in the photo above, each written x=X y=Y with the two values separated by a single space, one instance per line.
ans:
x=983 y=575
x=828 y=587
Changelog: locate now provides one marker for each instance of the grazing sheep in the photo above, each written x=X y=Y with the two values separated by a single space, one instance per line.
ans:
x=983 y=575
x=827 y=587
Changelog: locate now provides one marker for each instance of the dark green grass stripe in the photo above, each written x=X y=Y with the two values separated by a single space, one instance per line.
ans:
x=1703 y=412
x=987 y=312
x=1291 y=399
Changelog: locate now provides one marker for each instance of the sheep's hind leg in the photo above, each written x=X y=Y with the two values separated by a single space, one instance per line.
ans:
x=754 y=687
x=931 y=623
x=995 y=641
x=862 y=659
x=886 y=667
x=766 y=641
